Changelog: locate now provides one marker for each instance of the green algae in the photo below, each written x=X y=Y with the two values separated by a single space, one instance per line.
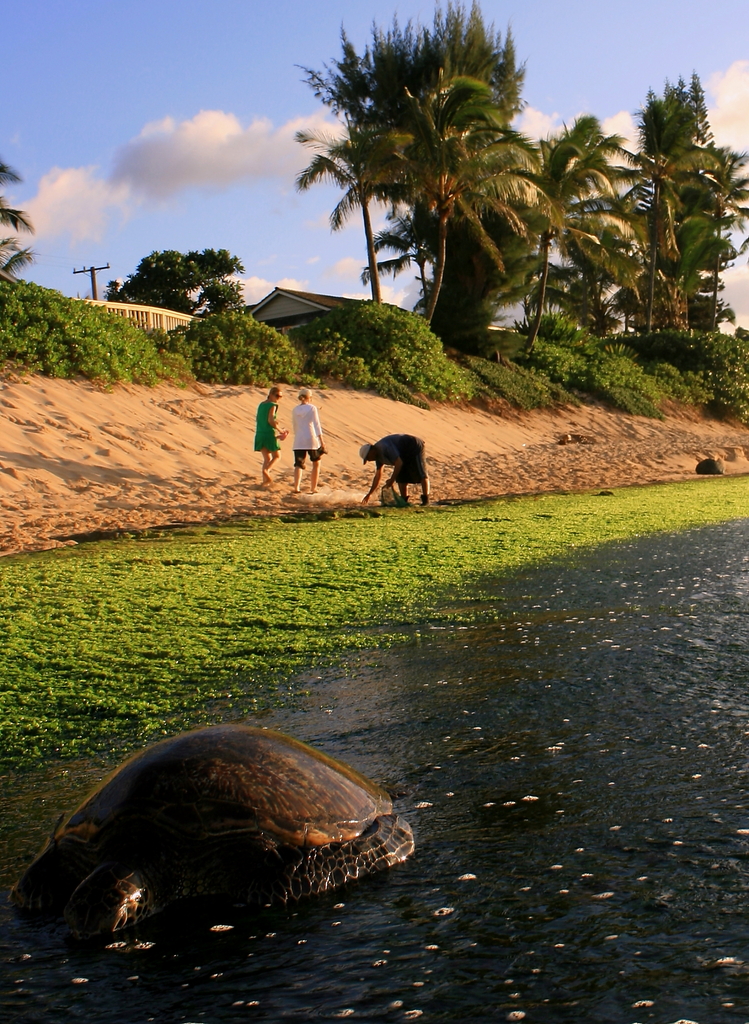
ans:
x=105 y=645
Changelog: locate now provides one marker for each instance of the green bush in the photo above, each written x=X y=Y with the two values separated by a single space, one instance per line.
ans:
x=685 y=386
x=522 y=388
x=572 y=358
x=383 y=347
x=608 y=375
x=234 y=348
x=43 y=331
x=715 y=363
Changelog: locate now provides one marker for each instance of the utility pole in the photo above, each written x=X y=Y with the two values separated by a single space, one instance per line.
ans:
x=92 y=272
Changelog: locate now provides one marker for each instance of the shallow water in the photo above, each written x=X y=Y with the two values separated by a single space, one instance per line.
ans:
x=576 y=776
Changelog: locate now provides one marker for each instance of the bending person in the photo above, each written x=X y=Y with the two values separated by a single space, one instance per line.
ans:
x=405 y=453
x=266 y=439
x=307 y=440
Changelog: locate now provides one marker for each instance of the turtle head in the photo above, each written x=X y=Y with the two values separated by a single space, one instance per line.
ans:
x=110 y=898
x=47 y=882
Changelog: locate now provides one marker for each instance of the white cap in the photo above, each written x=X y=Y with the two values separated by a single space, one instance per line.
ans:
x=364 y=452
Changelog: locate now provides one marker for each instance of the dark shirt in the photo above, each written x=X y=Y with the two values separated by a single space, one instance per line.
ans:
x=388 y=449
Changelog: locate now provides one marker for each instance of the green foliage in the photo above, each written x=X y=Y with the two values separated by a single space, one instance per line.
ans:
x=385 y=348
x=197 y=282
x=558 y=329
x=43 y=331
x=105 y=645
x=571 y=357
x=473 y=282
x=683 y=386
x=525 y=389
x=234 y=348
x=717 y=364
x=370 y=89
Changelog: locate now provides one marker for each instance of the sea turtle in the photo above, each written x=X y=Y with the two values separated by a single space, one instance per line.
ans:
x=246 y=812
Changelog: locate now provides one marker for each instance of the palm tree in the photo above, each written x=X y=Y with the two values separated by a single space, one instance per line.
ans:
x=12 y=256
x=462 y=161
x=362 y=161
x=578 y=183
x=406 y=238
x=585 y=286
x=667 y=154
x=728 y=190
x=15 y=219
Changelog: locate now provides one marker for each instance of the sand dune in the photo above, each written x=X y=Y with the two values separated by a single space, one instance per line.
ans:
x=75 y=458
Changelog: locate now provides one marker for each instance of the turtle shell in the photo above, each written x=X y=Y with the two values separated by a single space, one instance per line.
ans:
x=234 y=779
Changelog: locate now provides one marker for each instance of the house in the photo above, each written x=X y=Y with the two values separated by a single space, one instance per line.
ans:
x=5 y=276
x=285 y=308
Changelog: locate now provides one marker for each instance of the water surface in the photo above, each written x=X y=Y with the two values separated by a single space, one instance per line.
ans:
x=575 y=773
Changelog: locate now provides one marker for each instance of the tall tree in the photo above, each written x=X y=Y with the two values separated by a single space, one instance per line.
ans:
x=475 y=290
x=728 y=205
x=195 y=282
x=375 y=89
x=364 y=162
x=370 y=89
x=576 y=179
x=595 y=265
x=12 y=256
x=407 y=238
x=668 y=153
x=462 y=160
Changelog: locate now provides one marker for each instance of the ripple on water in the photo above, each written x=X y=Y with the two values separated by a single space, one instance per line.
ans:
x=632 y=898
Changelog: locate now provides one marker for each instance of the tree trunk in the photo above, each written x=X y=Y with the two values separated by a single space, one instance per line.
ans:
x=584 y=310
x=439 y=268
x=421 y=263
x=374 y=275
x=716 y=286
x=545 y=246
x=653 y=255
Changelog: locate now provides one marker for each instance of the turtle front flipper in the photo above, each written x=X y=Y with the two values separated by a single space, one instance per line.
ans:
x=110 y=898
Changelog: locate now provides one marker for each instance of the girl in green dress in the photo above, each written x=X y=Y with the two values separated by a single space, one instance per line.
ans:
x=266 y=438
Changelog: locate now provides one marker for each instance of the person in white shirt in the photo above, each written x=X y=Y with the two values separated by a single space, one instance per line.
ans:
x=307 y=440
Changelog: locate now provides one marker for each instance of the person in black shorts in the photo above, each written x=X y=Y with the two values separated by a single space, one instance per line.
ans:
x=405 y=453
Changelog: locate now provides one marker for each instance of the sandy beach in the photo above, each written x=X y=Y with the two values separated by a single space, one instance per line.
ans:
x=75 y=458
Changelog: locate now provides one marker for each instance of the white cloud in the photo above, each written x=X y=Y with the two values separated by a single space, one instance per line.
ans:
x=256 y=288
x=213 y=151
x=74 y=201
x=293 y=283
x=346 y=268
x=729 y=116
x=405 y=293
x=622 y=124
x=394 y=296
x=536 y=124
x=736 y=280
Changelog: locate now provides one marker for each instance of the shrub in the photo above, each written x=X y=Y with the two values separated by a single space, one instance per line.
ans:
x=572 y=358
x=717 y=364
x=522 y=388
x=385 y=348
x=234 y=348
x=43 y=331
x=685 y=386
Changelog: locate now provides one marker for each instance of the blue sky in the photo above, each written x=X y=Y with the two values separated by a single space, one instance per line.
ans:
x=158 y=124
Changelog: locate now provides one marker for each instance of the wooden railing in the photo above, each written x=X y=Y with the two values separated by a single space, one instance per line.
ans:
x=150 y=318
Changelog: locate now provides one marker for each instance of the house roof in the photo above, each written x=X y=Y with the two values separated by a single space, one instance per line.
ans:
x=311 y=299
x=5 y=276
